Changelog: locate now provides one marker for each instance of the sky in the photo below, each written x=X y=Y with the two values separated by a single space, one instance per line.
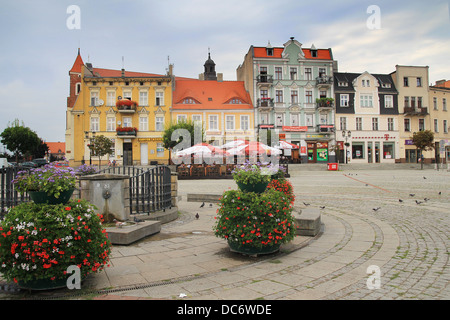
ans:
x=40 y=40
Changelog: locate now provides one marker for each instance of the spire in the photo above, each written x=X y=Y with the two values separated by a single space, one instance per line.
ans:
x=77 y=64
x=210 y=68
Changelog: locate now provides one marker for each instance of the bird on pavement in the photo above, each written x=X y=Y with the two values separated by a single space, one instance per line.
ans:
x=306 y=204
x=210 y=204
x=322 y=207
x=119 y=224
x=418 y=202
x=137 y=220
x=197 y=216
x=202 y=205
x=412 y=194
x=376 y=209
x=400 y=200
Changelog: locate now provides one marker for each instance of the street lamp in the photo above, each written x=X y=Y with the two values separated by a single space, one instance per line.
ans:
x=346 y=134
x=91 y=140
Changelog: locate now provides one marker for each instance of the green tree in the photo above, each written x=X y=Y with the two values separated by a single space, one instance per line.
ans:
x=101 y=146
x=20 y=140
x=424 y=141
x=176 y=133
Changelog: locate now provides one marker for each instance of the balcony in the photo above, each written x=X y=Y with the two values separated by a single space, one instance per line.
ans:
x=126 y=132
x=415 y=111
x=264 y=79
x=325 y=128
x=324 y=81
x=126 y=106
x=264 y=103
x=325 y=103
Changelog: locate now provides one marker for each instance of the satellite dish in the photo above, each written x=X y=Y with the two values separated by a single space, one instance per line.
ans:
x=119 y=123
x=100 y=102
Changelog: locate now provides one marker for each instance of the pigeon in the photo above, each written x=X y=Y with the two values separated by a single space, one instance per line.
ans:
x=119 y=224
x=440 y=192
x=418 y=202
x=412 y=194
x=197 y=216
x=426 y=199
x=376 y=209
x=424 y=177
x=210 y=204
x=202 y=205
x=137 y=220
x=306 y=204
x=400 y=200
x=322 y=207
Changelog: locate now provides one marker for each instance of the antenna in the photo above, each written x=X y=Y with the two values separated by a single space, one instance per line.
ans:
x=123 y=63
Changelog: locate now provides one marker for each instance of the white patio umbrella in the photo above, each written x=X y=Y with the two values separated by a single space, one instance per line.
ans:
x=203 y=149
x=286 y=145
x=234 y=143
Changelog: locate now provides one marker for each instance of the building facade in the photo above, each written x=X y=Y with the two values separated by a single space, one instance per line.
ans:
x=366 y=118
x=412 y=85
x=291 y=88
x=439 y=96
x=130 y=108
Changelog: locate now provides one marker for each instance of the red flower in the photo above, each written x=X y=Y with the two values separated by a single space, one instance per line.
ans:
x=67 y=208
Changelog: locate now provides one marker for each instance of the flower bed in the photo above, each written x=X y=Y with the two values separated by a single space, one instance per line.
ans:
x=49 y=179
x=40 y=241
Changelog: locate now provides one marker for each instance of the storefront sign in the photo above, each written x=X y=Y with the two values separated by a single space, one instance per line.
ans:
x=409 y=143
x=149 y=139
x=295 y=128
x=266 y=126
x=282 y=136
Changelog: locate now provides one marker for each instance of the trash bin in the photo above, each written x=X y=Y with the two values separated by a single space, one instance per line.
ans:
x=332 y=166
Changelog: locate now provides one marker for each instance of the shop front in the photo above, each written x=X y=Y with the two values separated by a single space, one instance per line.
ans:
x=380 y=148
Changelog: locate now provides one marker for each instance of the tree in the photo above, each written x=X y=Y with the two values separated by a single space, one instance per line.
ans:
x=20 y=140
x=175 y=134
x=424 y=141
x=100 y=146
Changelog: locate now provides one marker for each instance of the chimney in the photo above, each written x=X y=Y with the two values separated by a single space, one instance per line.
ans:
x=123 y=72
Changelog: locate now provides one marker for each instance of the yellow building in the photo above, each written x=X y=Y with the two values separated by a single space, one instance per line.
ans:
x=440 y=120
x=96 y=107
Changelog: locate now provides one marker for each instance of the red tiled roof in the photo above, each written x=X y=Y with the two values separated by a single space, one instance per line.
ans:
x=100 y=72
x=77 y=64
x=444 y=84
x=210 y=94
x=55 y=147
x=261 y=52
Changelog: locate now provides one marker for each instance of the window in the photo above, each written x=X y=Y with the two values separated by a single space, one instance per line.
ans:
x=388 y=102
x=444 y=124
x=365 y=83
x=127 y=94
x=127 y=123
x=197 y=119
x=444 y=104
x=308 y=97
x=159 y=123
x=294 y=96
x=405 y=82
x=419 y=102
x=77 y=88
x=293 y=73
x=229 y=122
x=143 y=98
x=314 y=53
x=358 y=150
x=110 y=124
x=94 y=98
x=435 y=107
x=322 y=72
x=185 y=101
x=436 y=126
x=294 y=119
x=159 y=149
x=264 y=118
x=366 y=100
x=245 y=123
x=359 y=123
x=159 y=100
x=235 y=101
x=110 y=98
x=419 y=82
x=322 y=94
x=95 y=124
x=407 y=124
x=143 y=123
x=269 y=51
x=278 y=73
x=213 y=122
x=279 y=118
x=343 y=84
x=413 y=102
x=264 y=94
x=343 y=123
x=421 y=124
x=344 y=100
x=309 y=118
x=388 y=150
x=390 y=124
x=279 y=96
x=181 y=118
x=375 y=124
x=406 y=102
x=308 y=73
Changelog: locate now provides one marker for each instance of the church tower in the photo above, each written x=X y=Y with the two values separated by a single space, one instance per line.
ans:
x=75 y=80
x=210 y=69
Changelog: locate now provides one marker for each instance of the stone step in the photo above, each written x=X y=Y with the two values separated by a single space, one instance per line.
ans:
x=307 y=221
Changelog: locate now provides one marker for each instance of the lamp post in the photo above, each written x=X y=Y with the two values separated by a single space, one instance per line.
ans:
x=346 y=134
x=91 y=140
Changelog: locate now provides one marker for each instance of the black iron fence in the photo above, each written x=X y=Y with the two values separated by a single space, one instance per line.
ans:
x=9 y=197
x=150 y=188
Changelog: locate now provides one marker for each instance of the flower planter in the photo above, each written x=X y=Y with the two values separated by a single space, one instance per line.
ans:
x=43 y=284
x=251 y=250
x=257 y=188
x=43 y=197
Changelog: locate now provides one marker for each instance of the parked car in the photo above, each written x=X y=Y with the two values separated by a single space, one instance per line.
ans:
x=40 y=161
x=28 y=164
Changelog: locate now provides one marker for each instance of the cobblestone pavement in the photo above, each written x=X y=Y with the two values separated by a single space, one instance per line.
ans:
x=386 y=225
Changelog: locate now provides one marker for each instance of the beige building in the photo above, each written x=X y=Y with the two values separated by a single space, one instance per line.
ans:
x=414 y=110
x=439 y=119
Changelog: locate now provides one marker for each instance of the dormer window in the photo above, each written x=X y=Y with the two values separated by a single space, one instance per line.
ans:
x=269 y=52
x=343 y=84
x=385 y=85
x=235 y=101
x=314 y=53
x=189 y=101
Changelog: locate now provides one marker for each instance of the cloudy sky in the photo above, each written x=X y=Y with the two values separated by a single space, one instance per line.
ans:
x=38 y=47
